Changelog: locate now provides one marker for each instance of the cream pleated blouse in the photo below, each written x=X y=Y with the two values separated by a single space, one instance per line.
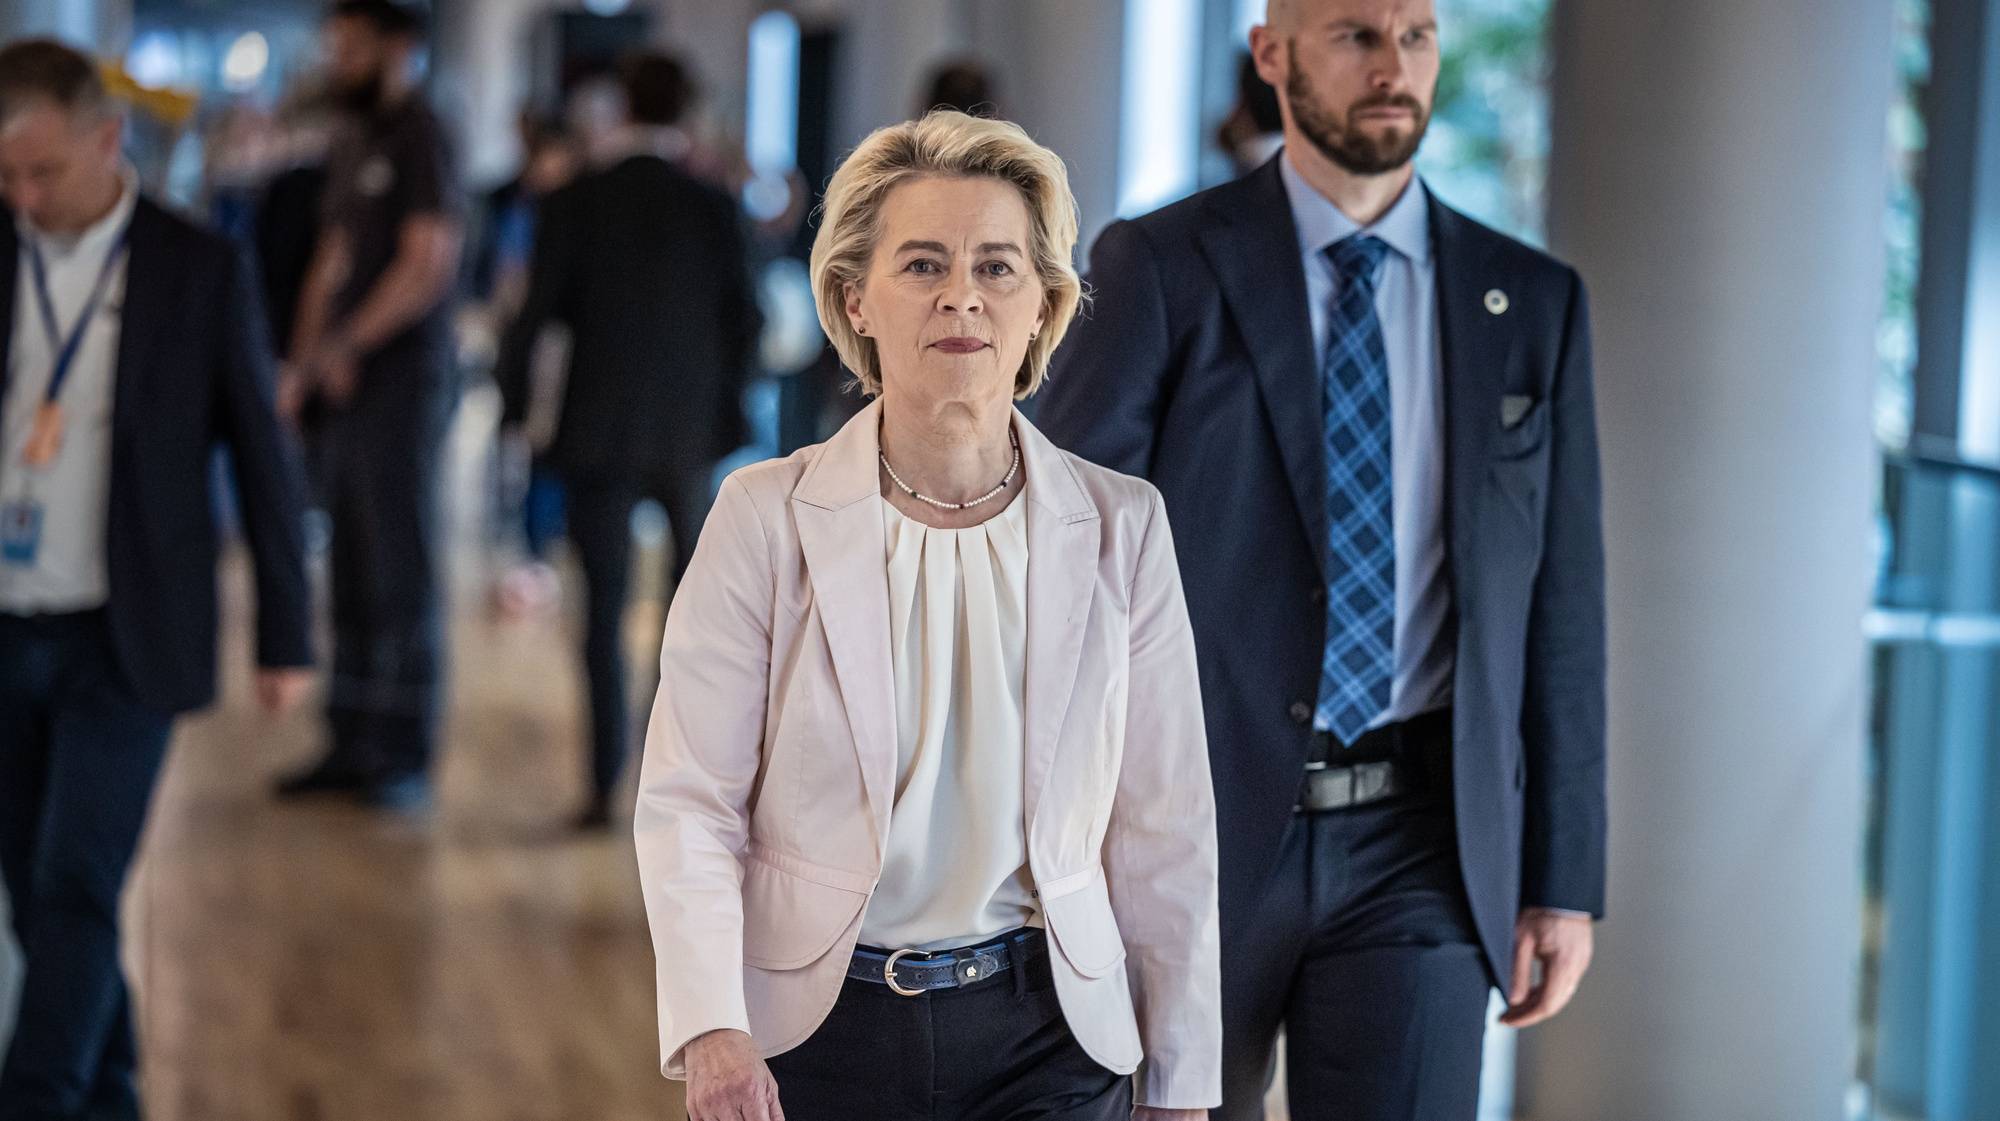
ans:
x=956 y=869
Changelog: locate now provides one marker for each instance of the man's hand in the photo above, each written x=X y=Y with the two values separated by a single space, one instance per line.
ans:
x=294 y=386
x=728 y=1082
x=1148 y=1113
x=1561 y=943
x=281 y=690
x=336 y=370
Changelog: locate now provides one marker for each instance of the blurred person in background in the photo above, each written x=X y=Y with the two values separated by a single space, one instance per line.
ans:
x=647 y=267
x=286 y=230
x=594 y=113
x=961 y=84
x=284 y=236
x=551 y=157
x=1254 y=130
x=1394 y=403
x=925 y=818
x=134 y=345
x=238 y=149
x=552 y=160
x=481 y=255
x=373 y=347
x=531 y=496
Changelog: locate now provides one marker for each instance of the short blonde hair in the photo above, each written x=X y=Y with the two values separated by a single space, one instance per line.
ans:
x=944 y=143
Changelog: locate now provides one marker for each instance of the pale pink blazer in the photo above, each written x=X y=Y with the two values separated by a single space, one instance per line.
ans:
x=770 y=763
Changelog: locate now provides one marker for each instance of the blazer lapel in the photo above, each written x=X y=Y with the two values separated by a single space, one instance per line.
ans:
x=1473 y=353
x=1064 y=531
x=1254 y=251
x=841 y=536
x=147 y=306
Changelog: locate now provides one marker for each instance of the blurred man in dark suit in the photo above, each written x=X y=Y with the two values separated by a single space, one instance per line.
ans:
x=647 y=267
x=134 y=344
x=1378 y=413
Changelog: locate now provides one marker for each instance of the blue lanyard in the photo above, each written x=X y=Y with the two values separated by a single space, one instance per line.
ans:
x=66 y=346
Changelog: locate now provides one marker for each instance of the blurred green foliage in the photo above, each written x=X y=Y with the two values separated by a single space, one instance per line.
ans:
x=1487 y=152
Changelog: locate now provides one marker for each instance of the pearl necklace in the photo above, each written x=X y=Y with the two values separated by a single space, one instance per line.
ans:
x=987 y=497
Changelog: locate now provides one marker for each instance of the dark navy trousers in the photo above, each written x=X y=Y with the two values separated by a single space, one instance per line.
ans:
x=382 y=476
x=79 y=755
x=1362 y=948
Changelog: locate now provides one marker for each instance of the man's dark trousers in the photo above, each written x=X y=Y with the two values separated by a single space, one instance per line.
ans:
x=1362 y=947
x=384 y=454
x=600 y=527
x=79 y=754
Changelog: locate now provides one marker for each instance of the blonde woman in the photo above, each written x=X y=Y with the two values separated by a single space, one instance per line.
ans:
x=925 y=821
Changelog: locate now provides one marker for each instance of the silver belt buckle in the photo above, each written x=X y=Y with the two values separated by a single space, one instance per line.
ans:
x=1373 y=781
x=1326 y=787
x=889 y=974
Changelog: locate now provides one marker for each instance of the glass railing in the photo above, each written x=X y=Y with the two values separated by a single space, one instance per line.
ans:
x=1930 y=1011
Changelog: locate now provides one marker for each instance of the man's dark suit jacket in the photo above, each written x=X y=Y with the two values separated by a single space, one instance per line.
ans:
x=194 y=370
x=647 y=266
x=1196 y=370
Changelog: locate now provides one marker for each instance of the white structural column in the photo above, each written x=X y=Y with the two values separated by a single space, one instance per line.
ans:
x=1718 y=177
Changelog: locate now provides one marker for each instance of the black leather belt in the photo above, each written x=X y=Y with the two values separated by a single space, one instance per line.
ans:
x=914 y=973
x=1401 y=758
x=1340 y=788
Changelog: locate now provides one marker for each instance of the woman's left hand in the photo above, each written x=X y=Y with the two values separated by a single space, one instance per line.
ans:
x=1148 y=1113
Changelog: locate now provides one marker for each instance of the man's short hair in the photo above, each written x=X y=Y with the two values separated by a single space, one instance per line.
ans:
x=402 y=19
x=43 y=71
x=658 y=90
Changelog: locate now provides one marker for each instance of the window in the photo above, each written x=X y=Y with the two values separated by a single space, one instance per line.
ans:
x=1488 y=148
x=1159 y=143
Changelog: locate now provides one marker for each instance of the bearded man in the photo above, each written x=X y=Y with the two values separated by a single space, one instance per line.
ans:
x=372 y=357
x=1372 y=421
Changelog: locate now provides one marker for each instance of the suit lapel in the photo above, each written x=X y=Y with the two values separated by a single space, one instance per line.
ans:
x=1064 y=532
x=841 y=536
x=1254 y=250
x=147 y=306
x=1473 y=353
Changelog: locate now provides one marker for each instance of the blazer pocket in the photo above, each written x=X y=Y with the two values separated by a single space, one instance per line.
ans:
x=1526 y=437
x=1084 y=927
x=793 y=910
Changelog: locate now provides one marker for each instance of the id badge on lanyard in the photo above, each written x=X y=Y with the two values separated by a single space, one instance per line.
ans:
x=20 y=532
x=22 y=518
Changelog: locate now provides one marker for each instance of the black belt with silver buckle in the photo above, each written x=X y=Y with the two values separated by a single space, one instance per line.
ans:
x=914 y=973
x=1399 y=758
x=1340 y=788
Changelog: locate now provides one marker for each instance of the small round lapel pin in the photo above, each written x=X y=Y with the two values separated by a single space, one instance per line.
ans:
x=1496 y=301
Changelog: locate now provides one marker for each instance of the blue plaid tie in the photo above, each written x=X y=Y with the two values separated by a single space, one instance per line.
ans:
x=1358 y=665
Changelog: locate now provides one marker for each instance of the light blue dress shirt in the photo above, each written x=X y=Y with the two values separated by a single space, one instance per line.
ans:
x=1406 y=302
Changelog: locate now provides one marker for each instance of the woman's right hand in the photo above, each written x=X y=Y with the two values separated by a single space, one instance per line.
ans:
x=727 y=1081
